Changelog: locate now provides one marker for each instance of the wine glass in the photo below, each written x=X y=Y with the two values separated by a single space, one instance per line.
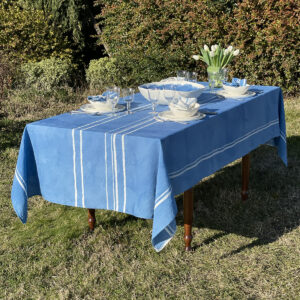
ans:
x=169 y=91
x=128 y=97
x=153 y=97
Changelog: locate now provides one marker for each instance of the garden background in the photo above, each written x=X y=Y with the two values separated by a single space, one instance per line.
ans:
x=55 y=53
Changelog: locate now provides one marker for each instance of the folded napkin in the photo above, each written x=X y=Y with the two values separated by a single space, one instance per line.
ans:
x=185 y=103
x=96 y=98
x=239 y=82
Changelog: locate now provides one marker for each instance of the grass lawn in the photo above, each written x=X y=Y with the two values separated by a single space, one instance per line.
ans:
x=241 y=250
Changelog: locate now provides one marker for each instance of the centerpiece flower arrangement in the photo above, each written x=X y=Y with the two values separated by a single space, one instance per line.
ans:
x=216 y=58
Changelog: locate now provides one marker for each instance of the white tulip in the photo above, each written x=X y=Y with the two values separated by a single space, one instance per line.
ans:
x=230 y=48
x=206 y=48
x=226 y=51
x=236 y=52
x=214 y=48
x=212 y=53
x=196 y=57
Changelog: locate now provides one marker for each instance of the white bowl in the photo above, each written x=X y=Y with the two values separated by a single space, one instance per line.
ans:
x=236 y=90
x=181 y=112
x=158 y=90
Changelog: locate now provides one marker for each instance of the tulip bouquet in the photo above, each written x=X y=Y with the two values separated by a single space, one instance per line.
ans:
x=217 y=58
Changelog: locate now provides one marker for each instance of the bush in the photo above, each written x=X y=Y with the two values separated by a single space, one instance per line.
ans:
x=7 y=72
x=27 y=34
x=151 y=39
x=102 y=72
x=47 y=74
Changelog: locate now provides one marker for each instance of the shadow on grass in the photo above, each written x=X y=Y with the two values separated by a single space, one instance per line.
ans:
x=273 y=207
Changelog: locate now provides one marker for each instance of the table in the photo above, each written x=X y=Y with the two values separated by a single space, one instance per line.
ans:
x=135 y=164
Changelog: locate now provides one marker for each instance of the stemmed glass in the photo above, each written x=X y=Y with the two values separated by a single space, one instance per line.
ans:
x=169 y=91
x=128 y=97
x=153 y=97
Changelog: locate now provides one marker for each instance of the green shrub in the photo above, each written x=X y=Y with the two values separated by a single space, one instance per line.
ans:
x=102 y=72
x=27 y=34
x=47 y=74
x=151 y=39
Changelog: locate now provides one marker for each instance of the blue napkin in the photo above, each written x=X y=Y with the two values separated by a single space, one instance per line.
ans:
x=239 y=82
x=96 y=98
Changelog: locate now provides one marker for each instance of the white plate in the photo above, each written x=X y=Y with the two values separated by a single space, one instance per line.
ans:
x=235 y=96
x=100 y=108
x=169 y=116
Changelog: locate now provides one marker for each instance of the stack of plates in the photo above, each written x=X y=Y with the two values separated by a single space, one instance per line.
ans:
x=100 y=108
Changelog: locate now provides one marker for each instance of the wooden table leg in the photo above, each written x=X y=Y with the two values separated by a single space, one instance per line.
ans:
x=245 y=176
x=188 y=197
x=91 y=219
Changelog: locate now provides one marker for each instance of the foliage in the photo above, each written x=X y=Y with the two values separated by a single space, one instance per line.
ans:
x=27 y=35
x=7 y=72
x=267 y=32
x=47 y=74
x=151 y=39
x=101 y=73
x=75 y=18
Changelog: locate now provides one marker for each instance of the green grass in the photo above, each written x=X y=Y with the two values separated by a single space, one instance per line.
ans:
x=241 y=250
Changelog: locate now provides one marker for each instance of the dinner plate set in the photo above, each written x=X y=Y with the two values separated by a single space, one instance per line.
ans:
x=103 y=107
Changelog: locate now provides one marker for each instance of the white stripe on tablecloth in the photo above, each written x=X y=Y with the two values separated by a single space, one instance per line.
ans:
x=112 y=170
x=124 y=174
x=81 y=168
x=109 y=119
x=21 y=184
x=161 y=195
x=282 y=135
x=195 y=163
x=20 y=177
x=136 y=125
x=116 y=173
x=168 y=231
x=105 y=157
x=171 y=229
x=162 y=199
x=74 y=166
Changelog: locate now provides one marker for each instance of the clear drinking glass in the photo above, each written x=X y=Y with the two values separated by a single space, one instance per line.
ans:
x=128 y=97
x=191 y=76
x=114 y=96
x=154 y=95
x=224 y=75
x=181 y=75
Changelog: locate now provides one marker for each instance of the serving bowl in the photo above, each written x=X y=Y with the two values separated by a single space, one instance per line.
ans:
x=171 y=88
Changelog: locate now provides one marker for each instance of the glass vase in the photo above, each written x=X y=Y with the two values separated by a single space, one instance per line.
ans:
x=216 y=76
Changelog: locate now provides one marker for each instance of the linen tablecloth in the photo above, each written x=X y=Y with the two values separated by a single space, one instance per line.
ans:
x=135 y=164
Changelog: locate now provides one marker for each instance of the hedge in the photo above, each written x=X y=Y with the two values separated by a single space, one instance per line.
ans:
x=151 y=39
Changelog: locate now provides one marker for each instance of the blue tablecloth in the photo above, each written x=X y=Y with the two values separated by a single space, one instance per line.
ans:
x=135 y=164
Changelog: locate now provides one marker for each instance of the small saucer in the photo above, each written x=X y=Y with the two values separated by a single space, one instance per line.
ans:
x=168 y=115
x=235 y=96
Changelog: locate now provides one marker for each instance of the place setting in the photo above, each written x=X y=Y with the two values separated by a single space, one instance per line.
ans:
x=179 y=95
x=108 y=102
